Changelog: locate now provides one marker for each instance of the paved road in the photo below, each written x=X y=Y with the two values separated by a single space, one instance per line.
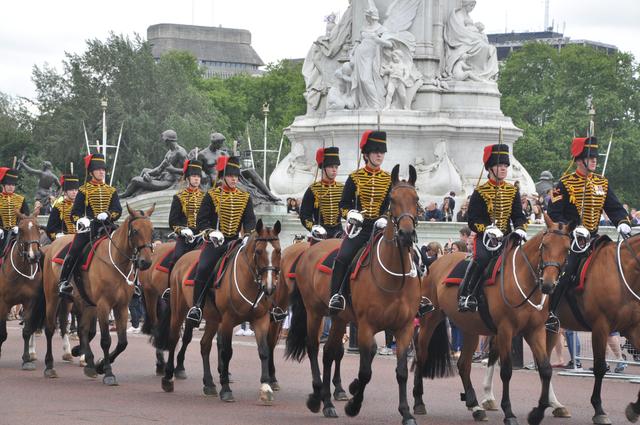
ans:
x=29 y=398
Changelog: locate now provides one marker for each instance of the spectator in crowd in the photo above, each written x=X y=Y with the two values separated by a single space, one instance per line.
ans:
x=461 y=217
x=447 y=209
x=458 y=246
x=537 y=216
x=636 y=220
x=604 y=220
x=526 y=205
x=573 y=344
x=292 y=206
x=431 y=253
x=465 y=234
x=432 y=213
x=452 y=200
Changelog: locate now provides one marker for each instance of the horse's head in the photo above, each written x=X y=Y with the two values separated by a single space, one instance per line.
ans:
x=140 y=236
x=554 y=249
x=266 y=255
x=404 y=206
x=29 y=237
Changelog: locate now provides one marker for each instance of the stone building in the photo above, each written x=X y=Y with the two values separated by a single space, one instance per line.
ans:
x=221 y=52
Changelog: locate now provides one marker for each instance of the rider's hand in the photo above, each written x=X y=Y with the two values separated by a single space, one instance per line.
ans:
x=186 y=233
x=522 y=234
x=381 y=223
x=102 y=216
x=624 y=229
x=15 y=229
x=82 y=225
x=1 y=234
x=318 y=232
x=216 y=237
x=354 y=217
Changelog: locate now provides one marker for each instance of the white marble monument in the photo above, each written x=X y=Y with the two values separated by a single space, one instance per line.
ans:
x=423 y=71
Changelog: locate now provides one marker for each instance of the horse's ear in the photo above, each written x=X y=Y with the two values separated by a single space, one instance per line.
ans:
x=131 y=212
x=277 y=227
x=548 y=221
x=259 y=226
x=150 y=211
x=413 y=175
x=394 y=174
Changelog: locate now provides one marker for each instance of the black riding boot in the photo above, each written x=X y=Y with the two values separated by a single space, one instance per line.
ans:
x=337 y=302
x=64 y=287
x=553 y=322
x=467 y=300
x=195 y=313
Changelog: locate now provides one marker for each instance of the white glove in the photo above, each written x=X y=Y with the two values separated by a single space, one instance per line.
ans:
x=102 y=216
x=492 y=238
x=1 y=234
x=381 y=223
x=15 y=229
x=624 y=229
x=186 y=233
x=83 y=225
x=318 y=232
x=216 y=237
x=522 y=233
x=355 y=217
x=59 y=235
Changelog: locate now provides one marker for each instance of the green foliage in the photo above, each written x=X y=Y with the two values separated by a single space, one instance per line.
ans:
x=545 y=91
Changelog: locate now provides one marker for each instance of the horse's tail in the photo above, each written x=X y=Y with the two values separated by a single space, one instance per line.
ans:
x=438 y=363
x=149 y=322
x=38 y=311
x=160 y=336
x=493 y=351
x=296 y=346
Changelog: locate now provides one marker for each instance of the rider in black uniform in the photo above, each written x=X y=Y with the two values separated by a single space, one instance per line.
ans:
x=60 y=221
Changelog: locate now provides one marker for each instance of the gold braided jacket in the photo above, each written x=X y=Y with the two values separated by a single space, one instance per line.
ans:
x=9 y=204
x=64 y=207
x=230 y=206
x=499 y=202
x=593 y=189
x=372 y=188
x=327 y=200
x=98 y=196
x=190 y=201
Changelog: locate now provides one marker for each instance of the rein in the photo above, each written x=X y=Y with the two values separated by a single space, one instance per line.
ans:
x=134 y=270
x=23 y=254
x=619 y=263
x=256 y=273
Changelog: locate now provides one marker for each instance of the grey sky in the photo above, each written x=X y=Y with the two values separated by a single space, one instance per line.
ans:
x=37 y=31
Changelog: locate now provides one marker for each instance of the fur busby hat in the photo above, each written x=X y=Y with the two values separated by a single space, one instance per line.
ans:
x=496 y=154
x=192 y=167
x=326 y=157
x=584 y=147
x=69 y=182
x=94 y=162
x=228 y=166
x=8 y=175
x=373 y=141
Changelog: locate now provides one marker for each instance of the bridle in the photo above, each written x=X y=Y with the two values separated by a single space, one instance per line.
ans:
x=131 y=233
x=396 y=220
x=24 y=254
x=256 y=272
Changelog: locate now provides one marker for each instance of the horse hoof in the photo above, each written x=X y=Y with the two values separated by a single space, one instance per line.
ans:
x=480 y=415
x=351 y=409
x=180 y=374
x=330 y=412
x=409 y=421
x=75 y=351
x=110 y=380
x=227 y=397
x=33 y=357
x=313 y=403
x=28 y=366
x=67 y=357
x=90 y=372
x=489 y=405
x=210 y=391
x=419 y=409
x=82 y=363
x=630 y=413
x=535 y=416
x=167 y=385
x=275 y=386
x=50 y=373
x=340 y=396
x=159 y=370
x=561 y=412
x=265 y=396
x=601 y=420
x=510 y=421
x=353 y=386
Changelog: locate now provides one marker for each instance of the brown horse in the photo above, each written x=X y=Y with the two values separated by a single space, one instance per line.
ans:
x=513 y=307
x=385 y=296
x=245 y=285
x=108 y=285
x=21 y=283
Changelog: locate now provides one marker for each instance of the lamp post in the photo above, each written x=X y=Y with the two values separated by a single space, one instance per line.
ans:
x=103 y=103
x=265 y=111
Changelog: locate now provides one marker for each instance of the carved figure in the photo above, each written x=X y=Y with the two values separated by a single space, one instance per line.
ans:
x=48 y=184
x=209 y=157
x=339 y=96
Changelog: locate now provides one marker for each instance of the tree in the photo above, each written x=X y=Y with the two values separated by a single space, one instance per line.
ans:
x=545 y=91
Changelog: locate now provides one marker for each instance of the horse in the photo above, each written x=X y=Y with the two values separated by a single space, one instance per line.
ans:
x=21 y=283
x=108 y=285
x=512 y=307
x=242 y=295
x=607 y=303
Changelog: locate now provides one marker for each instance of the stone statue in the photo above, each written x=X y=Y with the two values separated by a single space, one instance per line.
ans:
x=298 y=174
x=339 y=96
x=165 y=175
x=441 y=176
x=209 y=157
x=466 y=42
x=48 y=184
x=545 y=183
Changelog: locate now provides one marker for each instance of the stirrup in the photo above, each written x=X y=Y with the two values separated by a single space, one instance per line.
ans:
x=195 y=315
x=137 y=291
x=337 y=303
x=426 y=306
x=467 y=303
x=553 y=323
x=277 y=314
x=166 y=295
x=65 y=289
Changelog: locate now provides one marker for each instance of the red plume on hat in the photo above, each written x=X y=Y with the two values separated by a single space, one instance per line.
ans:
x=3 y=171
x=577 y=146
x=185 y=166
x=320 y=156
x=487 y=153
x=222 y=163
x=87 y=161
x=62 y=180
x=365 y=138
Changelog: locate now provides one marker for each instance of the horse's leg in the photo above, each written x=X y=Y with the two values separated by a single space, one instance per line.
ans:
x=49 y=330
x=210 y=329
x=261 y=328
x=315 y=398
x=488 y=398
x=537 y=342
x=599 y=336
x=403 y=339
x=105 y=343
x=559 y=411
x=503 y=341
x=63 y=318
x=176 y=320
x=428 y=326
x=330 y=353
x=272 y=340
x=87 y=331
x=120 y=316
x=3 y=328
x=469 y=344
x=225 y=351
x=367 y=347
x=339 y=393
x=633 y=409
x=187 y=336
x=27 y=332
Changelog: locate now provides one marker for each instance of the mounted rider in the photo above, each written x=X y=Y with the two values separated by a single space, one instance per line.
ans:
x=494 y=208
x=579 y=198
x=10 y=202
x=320 y=210
x=97 y=206
x=60 y=221
x=365 y=199
x=184 y=210
x=224 y=211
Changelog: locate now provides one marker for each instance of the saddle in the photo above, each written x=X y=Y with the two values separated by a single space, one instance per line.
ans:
x=85 y=257
x=456 y=275
x=223 y=263
x=583 y=267
x=291 y=274
x=165 y=264
x=7 y=245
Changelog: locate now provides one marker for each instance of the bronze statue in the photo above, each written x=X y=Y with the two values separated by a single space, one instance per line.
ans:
x=209 y=157
x=48 y=184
